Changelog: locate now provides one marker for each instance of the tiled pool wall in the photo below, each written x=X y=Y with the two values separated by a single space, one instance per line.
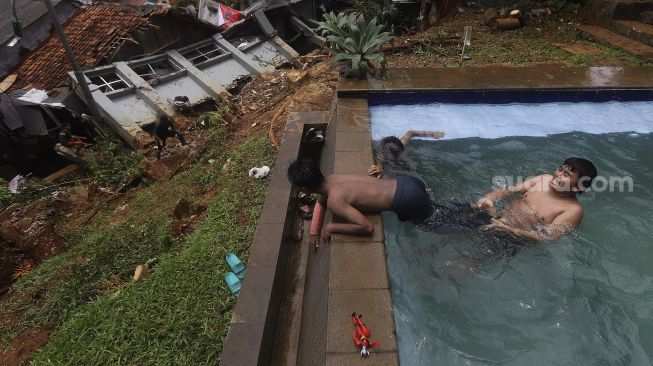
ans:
x=570 y=95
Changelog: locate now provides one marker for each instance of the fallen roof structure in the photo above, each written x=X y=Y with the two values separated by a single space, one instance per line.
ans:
x=94 y=34
x=131 y=95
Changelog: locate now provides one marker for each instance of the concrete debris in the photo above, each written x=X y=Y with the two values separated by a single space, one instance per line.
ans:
x=17 y=184
x=143 y=97
x=539 y=12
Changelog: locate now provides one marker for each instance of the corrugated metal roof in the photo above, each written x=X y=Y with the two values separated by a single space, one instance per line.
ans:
x=27 y=11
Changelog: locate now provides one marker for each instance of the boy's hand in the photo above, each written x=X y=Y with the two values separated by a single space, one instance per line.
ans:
x=437 y=134
x=485 y=204
x=497 y=225
x=376 y=171
x=314 y=241
x=325 y=236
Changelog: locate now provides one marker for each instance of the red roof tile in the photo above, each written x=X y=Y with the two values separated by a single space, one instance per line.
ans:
x=91 y=32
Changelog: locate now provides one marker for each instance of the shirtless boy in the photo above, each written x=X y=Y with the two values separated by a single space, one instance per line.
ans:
x=351 y=196
x=549 y=208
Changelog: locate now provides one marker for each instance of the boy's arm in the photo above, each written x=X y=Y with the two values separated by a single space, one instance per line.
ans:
x=376 y=170
x=355 y=222
x=412 y=133
x=562 y=225
x=487 y=202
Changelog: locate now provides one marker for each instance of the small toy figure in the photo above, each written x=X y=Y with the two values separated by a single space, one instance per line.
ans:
x=362 y=335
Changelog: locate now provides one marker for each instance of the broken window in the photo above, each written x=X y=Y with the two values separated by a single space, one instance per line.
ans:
x=202 y=53
x=109 y=82
x=155 y=69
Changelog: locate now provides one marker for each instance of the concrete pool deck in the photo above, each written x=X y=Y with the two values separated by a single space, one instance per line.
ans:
x=358 y=275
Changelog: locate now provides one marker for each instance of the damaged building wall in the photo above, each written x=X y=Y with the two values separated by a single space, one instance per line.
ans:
x=164 y=32
x=131 y=95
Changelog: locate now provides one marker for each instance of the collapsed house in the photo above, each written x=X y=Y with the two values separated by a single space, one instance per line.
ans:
x=132 y=94
x=136 y=60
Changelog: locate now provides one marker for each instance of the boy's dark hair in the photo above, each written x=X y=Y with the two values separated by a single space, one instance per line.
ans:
x=584 y=168
x=392 y=145
x=305 y=173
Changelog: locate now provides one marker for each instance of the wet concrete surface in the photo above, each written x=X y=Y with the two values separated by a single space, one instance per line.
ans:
x=350 y=274
x=501 y=77
x=358 y=280
x=290 y=314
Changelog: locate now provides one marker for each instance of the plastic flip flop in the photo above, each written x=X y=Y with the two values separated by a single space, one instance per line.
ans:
x=236 y=265
x=233 y=283
x=241 y=275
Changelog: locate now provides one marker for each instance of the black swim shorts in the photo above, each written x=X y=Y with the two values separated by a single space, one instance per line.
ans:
x=411 y=202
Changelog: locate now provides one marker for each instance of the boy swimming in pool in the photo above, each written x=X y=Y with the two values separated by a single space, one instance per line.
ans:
x=392 y=146
x=349 y=197
x=548 y=209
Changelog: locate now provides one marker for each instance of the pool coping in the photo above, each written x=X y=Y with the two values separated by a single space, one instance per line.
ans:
x=358 y=273
x=541 y=77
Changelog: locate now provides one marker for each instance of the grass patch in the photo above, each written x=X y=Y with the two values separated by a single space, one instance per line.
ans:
x=519 y=47
x=6 y=197
x=180 y=313
x=112 y=164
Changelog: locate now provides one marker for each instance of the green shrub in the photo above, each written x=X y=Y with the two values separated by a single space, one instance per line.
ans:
x=6 y=197
x=354 y=41
x=215 y=118
x=112 y=164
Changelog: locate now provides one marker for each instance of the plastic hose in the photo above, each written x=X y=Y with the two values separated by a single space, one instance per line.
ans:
x=318 y=215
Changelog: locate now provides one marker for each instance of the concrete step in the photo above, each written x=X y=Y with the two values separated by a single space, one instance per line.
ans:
x=647 y=17
x=617 y=40
x=602 y=12
x=628 y=10
x=638 y=31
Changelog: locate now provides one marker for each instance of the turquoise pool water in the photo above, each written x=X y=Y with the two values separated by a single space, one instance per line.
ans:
x=586 y=299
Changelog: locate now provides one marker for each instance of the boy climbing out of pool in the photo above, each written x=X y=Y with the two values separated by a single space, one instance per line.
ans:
x=349 y=197
x=392 y=146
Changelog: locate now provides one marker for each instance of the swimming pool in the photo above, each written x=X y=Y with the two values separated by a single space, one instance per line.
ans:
x=586 y=299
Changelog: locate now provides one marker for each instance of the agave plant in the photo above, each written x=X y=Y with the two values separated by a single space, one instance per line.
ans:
x=354 y=41
x=336 y=24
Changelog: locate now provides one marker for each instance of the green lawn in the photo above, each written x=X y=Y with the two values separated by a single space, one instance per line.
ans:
x=179 y=313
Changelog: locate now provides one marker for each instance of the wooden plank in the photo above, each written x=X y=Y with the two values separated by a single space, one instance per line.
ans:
x=60 y=173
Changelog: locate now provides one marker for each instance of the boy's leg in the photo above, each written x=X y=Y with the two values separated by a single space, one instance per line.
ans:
x=181 y=138
x=159 y=147
x=455 y=217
